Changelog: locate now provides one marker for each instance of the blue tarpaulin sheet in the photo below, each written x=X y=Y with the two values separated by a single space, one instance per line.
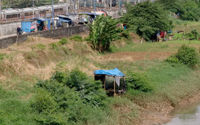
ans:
x=47 y=22
x=26 y=26
x=113 y=72
x=64 y=20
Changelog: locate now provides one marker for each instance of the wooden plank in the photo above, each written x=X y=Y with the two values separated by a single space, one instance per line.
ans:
x=114 y=88
x=104 y=83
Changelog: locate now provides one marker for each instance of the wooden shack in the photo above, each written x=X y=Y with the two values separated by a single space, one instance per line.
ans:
x=113 y=81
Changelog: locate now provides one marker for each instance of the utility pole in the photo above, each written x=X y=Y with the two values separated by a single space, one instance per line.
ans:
x=52 y=15
x=110 y=4
x=85 y=3
x=78 y=4
x=94 y=5
x=33 y=4
x=119 y=7
x=0 y=10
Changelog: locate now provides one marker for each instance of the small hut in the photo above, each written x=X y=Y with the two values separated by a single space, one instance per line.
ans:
x=113 y=80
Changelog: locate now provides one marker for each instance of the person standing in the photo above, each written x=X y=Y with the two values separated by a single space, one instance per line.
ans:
x=19 y=31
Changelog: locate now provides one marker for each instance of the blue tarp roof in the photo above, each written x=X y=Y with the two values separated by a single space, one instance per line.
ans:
x=113 y=72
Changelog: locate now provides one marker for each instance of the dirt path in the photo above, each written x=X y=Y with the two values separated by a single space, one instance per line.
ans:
x=136 y=56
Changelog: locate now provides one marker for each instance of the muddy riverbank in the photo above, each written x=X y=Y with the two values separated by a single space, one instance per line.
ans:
x=162 y=113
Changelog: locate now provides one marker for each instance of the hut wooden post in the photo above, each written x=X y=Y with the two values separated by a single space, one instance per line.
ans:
x=114 y=88
x=104 y=82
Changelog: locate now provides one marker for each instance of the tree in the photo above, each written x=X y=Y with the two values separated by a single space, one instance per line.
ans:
x=171 y=5
x=103 y=31
x=190 y=11
x=146 y=19
x=186 y=9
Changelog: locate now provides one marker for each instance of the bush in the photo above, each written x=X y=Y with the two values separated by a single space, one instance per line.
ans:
x=185 y=55
x=193 y=35
x=69 y=98
x=172 y=59
x=44 y=103
x=178 y=36
x=90 y=91
x=146 y=19
x=139 y=82
x=103 y=31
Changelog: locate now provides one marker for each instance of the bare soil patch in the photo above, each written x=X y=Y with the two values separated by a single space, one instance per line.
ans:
x=136 y=56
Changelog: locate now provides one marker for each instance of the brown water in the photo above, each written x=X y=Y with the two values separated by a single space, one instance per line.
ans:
x=189 y=116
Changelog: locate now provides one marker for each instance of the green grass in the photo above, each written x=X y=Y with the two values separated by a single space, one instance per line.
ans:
x=168 y=46
x=186 y=26
x=165 y=73
x=63 y=41
x=2 y=56
x=38 y=47
x=77 y=38
x=14 y=102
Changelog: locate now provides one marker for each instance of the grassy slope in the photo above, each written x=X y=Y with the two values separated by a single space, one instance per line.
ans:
x=171 y=82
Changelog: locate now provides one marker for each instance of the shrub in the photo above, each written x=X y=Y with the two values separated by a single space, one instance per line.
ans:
x=178 y=36
x=59 y=105
x=172 y=59
x=139 y=82
x=146 y=19
x=187 y=55
x=103 y=31
x=193 y=35
x=68 y=98
x=44 y=103
x=90 y=91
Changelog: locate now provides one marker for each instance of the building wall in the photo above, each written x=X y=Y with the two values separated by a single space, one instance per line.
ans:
x=9 y=28
x=58 y=33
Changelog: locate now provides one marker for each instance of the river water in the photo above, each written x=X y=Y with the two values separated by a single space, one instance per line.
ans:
x=189 y=116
